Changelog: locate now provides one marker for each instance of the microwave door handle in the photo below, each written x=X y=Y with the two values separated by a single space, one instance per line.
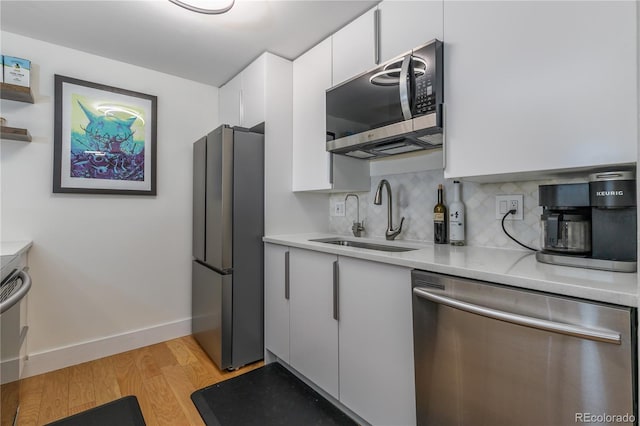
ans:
x=404 y=87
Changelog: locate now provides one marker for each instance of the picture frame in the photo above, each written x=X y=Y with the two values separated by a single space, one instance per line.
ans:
x=105 y=139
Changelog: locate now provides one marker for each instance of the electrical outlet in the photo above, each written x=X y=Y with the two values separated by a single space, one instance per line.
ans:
x=504 y=203
x=338 y=208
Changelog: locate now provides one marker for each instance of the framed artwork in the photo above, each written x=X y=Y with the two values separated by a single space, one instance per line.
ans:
x=105 y=139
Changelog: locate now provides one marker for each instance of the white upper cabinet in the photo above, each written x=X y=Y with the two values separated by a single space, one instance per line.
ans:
x=408 y=24
x=229 y=102
x=242 y=99
x=354 y=48
x=314 y=169
x=253 y=95
x=311 y=77
x=401 y=26
x=535 y=86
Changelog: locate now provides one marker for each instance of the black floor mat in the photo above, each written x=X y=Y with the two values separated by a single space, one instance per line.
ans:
x=269 y=395
x=121 y=412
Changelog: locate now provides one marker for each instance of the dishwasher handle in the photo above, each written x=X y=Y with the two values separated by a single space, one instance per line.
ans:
x=18 y=295
x=540 y=324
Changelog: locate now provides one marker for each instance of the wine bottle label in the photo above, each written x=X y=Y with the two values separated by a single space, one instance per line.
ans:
x=456 y=225
x=438 y=217
x=456 y=231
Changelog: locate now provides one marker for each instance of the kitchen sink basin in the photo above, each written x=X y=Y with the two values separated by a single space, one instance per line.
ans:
x=362 y=244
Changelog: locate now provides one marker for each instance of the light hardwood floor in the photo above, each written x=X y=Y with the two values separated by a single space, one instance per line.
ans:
x=161 y=376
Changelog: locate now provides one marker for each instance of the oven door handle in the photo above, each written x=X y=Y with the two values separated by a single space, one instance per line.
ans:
x=540 y=324
x=18 y=295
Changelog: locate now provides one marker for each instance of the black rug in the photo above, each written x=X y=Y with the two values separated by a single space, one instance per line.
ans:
x=121 y=412
x=269 y=395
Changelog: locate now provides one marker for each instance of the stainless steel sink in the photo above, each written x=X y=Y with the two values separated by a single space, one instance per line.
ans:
x=362 y=244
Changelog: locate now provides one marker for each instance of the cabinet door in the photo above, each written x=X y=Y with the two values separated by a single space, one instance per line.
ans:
x=534 y=86
x=314 y=169
x=408 y=24
x=376 y=342
x=311 y=78
x=229 y=102
x=252 y=99
x=314 y=331
x=276 y=303
x=354 y=48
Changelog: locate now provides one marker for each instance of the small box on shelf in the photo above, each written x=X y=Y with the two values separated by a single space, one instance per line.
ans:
x=17 y=71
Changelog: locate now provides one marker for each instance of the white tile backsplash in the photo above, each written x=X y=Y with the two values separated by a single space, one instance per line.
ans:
x=415 y=194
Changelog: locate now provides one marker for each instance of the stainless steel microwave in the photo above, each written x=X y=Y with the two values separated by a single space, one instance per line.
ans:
x=392 y=109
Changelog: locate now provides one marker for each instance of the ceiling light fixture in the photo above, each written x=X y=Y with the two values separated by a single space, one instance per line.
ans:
x=390 y=74
x=203 y=10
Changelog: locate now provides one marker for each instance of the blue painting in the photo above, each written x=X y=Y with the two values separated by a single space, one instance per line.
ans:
x=107 y=140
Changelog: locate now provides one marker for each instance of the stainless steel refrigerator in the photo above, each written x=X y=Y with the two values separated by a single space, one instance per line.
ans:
x=228 y=225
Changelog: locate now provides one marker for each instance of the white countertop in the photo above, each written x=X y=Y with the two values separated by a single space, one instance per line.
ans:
x=511 y=267
x=14 y=248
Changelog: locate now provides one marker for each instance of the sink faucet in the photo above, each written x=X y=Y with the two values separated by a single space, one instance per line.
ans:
x=391 y=233
x=357 y=227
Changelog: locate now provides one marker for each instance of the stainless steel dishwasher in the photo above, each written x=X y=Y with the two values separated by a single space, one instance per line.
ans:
x=487 y=354
x=14 y=286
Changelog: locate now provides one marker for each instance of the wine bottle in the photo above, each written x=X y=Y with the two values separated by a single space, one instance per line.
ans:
x=456 y=217
x=440 y=220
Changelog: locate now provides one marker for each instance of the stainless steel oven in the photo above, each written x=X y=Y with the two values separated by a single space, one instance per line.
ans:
x=487 y=354
x=15 y=285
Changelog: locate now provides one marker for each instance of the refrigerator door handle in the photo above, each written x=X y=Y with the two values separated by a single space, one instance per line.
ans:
x=604 y=336
x=287 y=281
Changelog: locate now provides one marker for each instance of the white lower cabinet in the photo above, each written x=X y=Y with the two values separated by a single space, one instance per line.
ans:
x=364 y=358
x=313 y=328
x=276 y=301
x=376 y=342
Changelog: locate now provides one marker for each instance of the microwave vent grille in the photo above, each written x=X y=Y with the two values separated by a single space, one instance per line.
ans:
x=360 y=154
x=435 y=139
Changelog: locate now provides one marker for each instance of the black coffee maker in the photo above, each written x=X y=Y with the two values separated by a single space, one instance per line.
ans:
x=590 y=225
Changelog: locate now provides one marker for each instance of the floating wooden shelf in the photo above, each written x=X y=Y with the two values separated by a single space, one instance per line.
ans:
x=16 y=93
x=15 y=134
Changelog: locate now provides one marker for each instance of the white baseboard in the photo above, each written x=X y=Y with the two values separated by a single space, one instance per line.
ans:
x=54 y=359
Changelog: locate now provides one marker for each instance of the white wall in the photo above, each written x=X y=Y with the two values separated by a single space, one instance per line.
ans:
x=103 y=266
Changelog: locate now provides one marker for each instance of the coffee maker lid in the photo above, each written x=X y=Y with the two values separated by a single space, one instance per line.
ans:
x=615 y=175
x=564 y=195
